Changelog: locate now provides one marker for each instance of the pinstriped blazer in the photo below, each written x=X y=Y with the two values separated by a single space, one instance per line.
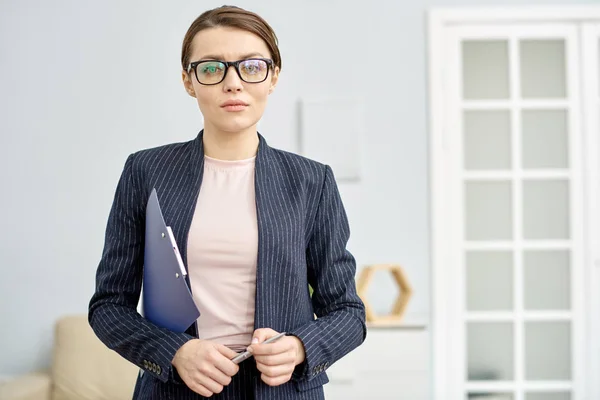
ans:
x=302 y=235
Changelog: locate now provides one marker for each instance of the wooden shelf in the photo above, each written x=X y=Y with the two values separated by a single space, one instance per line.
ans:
x=394 y=318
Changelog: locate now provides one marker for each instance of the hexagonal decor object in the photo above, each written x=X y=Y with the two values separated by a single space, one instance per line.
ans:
x=405 y=292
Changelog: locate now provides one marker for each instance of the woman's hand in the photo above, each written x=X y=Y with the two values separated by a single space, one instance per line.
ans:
x=276 y=361
x=205 y=366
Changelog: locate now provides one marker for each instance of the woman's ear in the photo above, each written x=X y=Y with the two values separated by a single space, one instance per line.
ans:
x=187 y=84
x=274 y=79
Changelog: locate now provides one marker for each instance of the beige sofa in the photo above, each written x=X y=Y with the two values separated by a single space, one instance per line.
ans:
x=83 y=368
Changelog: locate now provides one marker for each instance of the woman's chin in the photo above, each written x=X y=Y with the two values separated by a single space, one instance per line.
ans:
x=236 y=126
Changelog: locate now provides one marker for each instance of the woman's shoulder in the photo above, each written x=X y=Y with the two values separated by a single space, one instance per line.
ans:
x=161 y=155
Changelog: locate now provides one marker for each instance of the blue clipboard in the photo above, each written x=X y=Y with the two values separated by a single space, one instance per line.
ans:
x=166 y=298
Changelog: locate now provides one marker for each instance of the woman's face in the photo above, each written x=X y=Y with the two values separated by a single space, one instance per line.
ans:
x=229 y=44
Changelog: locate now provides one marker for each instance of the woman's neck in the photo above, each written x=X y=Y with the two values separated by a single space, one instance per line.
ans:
x=230 y=146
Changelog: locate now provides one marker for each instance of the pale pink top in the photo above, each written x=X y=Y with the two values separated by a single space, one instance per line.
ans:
x=222 y=252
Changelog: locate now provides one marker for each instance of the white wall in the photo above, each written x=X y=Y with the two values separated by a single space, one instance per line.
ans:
x=83 y=84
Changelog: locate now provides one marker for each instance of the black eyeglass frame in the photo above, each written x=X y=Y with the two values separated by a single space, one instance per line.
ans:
x=235 y=64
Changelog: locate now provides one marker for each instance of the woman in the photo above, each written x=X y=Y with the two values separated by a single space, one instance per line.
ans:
x=255 y=226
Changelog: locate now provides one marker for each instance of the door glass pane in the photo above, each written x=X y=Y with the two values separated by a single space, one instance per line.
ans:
x=485 y=69
x=487 y=361
x=545 y=140
x=546 y=209
x=490 y=396
x=489 y=280
x=543 y=69
x=487 y=140
x=548 y=396
x=547 y=280
x=548 y=350
x=488 y=211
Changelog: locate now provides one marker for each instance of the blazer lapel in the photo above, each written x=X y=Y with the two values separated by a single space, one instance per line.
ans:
x=181 y=195
x=264 y=185
x=191 y=191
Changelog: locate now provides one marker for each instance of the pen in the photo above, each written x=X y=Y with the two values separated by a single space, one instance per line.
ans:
x=246 y=354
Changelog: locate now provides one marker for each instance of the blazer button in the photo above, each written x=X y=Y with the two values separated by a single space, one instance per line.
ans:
x=158 y=370
x=145 y=363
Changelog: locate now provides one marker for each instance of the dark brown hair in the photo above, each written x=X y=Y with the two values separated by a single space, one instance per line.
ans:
x=233 y=17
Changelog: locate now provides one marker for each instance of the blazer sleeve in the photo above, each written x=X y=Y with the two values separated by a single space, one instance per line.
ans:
x=112 y=310
x=340 y=325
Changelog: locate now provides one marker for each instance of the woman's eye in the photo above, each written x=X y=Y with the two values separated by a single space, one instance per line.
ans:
x=211 y=69
x=252 y=67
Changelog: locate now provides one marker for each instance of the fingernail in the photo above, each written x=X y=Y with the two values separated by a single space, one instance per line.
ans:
x=254 y=340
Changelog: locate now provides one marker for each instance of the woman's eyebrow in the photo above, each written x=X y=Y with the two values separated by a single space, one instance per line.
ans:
x=220 y=56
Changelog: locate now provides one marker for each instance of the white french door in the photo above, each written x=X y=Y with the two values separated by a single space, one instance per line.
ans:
x=514 y=183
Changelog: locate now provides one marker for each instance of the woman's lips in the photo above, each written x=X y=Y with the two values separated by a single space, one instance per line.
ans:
x=235 y=107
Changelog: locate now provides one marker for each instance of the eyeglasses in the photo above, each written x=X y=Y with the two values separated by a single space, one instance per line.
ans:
x=212 y=72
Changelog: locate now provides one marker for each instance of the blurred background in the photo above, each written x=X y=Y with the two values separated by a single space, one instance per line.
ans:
x=470 y=162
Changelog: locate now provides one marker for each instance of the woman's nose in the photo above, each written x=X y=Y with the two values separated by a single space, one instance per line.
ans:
x=232 y=81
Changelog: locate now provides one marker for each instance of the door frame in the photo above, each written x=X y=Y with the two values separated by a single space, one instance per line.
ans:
x=439 y=20
x=590 y=34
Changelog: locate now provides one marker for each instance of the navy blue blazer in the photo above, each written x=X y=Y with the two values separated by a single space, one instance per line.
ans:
x=302 y=236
